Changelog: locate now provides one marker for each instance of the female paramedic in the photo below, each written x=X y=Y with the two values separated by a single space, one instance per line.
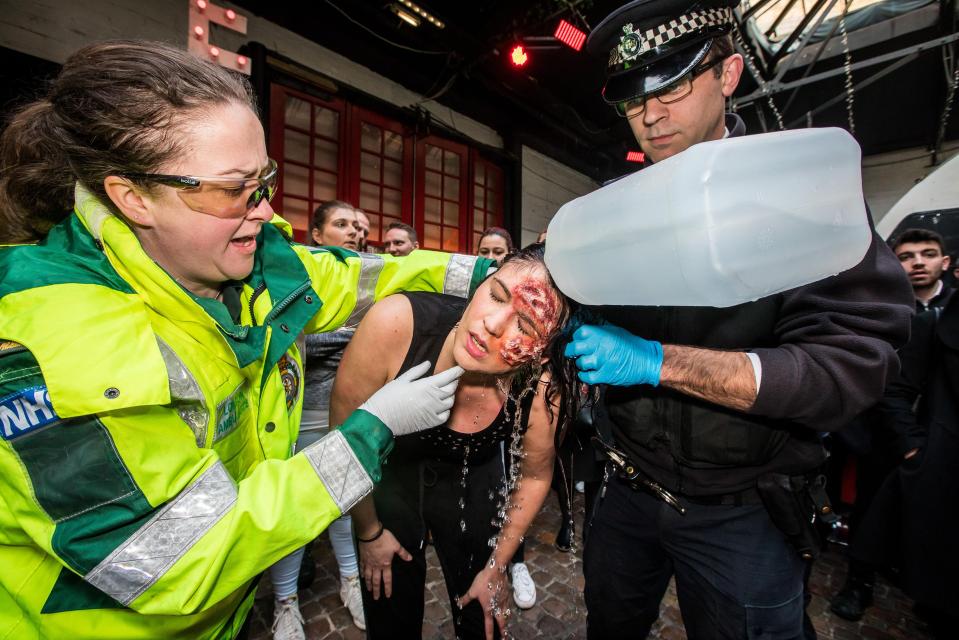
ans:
x=150 y=385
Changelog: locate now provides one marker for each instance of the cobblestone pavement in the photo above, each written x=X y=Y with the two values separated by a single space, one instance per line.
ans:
x=559 y=612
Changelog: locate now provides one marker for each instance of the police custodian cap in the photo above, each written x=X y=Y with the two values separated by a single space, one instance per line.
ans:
x=653 y=43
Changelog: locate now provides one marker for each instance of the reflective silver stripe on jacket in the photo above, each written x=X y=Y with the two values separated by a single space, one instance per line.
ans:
x=458 y=275
x=340 y=470
x=370 y=269
x=138 y=563
x=185 y=393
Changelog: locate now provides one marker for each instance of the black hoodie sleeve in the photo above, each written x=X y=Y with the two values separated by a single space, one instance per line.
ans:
x=837 y=343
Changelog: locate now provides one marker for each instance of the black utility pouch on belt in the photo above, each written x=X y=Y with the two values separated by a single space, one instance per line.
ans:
x=793 y=504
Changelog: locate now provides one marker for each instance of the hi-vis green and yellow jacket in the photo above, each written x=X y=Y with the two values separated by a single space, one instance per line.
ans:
x=145 y=469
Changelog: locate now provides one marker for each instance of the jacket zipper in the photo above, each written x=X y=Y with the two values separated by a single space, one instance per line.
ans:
x=285 y=302
x=260 y=288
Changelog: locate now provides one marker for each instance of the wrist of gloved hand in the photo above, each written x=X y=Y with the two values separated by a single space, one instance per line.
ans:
x=370 y=440
x=608 y=354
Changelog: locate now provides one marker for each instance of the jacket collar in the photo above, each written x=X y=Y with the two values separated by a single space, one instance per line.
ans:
x=275 y=266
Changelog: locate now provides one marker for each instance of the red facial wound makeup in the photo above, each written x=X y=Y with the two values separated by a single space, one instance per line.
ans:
x=534 y=300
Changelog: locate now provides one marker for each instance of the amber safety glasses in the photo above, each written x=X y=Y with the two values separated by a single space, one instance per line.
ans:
x=667 y=95
x=220 y=197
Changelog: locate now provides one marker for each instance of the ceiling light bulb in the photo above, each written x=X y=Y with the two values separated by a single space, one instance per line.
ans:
x=407 y=18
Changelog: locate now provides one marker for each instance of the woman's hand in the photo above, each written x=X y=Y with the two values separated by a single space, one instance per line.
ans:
x=490 y=588
x=376 y=561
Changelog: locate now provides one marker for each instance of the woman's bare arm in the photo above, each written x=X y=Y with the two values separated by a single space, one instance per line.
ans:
x=373 y=356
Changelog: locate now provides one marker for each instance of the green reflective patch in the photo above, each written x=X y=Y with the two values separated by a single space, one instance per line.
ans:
x=370 y=439
x=68 y=254
x=81 y=483
x=480 y=268
x=77 y=476
x=339 y=253
x=71 y=593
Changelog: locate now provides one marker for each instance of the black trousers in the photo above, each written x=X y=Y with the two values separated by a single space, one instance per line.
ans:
x=736 y=575
x=416 y=496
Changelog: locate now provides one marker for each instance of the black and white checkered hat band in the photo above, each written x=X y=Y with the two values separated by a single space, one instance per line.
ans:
x=635 y=43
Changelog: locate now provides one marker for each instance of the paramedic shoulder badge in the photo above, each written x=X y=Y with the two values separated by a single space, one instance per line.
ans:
x=290 y=376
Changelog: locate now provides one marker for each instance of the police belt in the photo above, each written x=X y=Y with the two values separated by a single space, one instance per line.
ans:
x=630 y=474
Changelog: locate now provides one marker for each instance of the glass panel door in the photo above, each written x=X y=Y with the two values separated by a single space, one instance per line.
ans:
x=381 y=170
x=441 y=194
x=305 y=135
x=487 y=210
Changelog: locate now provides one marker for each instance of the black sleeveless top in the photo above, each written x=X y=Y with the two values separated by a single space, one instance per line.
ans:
x=434 y=315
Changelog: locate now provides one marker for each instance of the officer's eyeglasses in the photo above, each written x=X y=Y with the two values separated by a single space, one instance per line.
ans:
x=667 y=95
x=218 y=196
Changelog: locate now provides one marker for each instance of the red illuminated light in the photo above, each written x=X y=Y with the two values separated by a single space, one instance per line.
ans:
x=198 y=31
x=241 y=60
x=201 y=4
x=215 y=52
x=230 y=15
x=518 y=55
x=569 y=35
x=635 y=156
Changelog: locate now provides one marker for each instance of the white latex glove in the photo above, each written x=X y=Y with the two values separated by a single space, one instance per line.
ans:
x=407 y=404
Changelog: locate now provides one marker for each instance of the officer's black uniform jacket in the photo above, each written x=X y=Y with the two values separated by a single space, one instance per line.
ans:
x=827 y=350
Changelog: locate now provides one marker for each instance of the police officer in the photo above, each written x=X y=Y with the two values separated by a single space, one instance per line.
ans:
x=709 y=405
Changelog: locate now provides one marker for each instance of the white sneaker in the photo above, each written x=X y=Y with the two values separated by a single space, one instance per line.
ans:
x=287 y=620
x=524 y=589
x=353 y=599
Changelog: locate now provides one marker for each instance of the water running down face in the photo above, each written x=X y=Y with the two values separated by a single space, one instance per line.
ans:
x=509 y=321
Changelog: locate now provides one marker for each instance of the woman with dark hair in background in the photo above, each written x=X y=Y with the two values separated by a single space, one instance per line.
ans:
x=150 y=384
x=495 y=244
x=518 y=389
x=333 y=225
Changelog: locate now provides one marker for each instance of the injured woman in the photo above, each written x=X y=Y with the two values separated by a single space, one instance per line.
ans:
x=449 y=484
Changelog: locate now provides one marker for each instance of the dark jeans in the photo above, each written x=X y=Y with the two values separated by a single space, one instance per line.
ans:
x=408 y=503
x=736 y=575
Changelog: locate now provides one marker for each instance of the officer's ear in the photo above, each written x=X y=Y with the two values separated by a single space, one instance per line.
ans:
x=732 y=71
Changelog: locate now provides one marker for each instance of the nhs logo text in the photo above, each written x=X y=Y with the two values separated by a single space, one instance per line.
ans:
x=24 y=411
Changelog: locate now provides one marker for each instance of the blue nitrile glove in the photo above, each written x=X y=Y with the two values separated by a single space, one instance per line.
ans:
x=607 y=354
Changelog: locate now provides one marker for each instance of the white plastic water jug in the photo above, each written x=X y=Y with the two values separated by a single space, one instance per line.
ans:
x=722 y=223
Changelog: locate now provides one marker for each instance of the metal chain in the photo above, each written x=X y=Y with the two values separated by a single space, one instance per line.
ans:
x=754 y=69
x=847 y=65
x=947 y=108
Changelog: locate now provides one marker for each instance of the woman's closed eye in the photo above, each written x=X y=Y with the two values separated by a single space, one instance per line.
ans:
x=522 y=329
